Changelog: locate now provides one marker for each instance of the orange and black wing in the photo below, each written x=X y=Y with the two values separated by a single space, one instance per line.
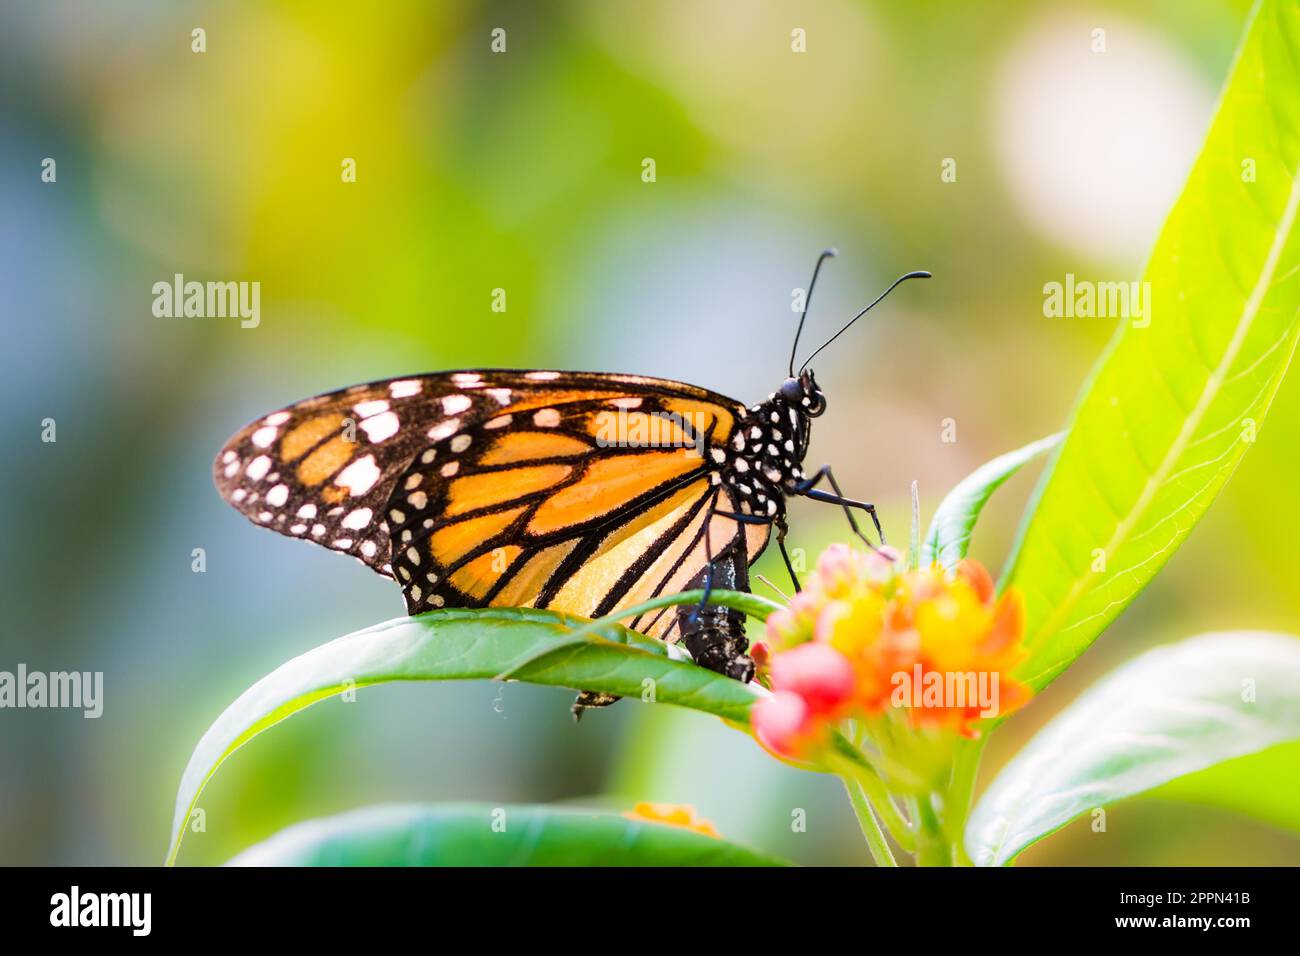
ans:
x=584 y=507
x=579 y=491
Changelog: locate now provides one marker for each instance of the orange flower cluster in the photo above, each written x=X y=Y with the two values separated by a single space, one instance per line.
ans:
x=867 y=636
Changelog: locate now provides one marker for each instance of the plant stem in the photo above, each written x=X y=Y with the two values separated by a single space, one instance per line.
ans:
x=873 y=788
x=875 y=837
x=960 y=790
x=933 y=847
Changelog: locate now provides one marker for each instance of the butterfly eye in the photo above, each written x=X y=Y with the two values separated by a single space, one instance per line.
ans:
x=792 y=391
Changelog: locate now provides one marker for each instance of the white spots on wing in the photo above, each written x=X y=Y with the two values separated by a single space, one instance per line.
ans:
x=263 y=437
x=542 y=376
x=450 y=469
x=437 y=600
x=298 y=529
x=771 y=507
x=406 y=575
x=546 y=418
x=238 y=495
x=431 y=578
x=626 y=402
x=428 y=456
x=307 y=511
x=384 y=425
x=276 y=418
x=228 y=457
x=317 y=530
x=467 y=378
x=417 y=500
x=460 y=443
x=742 y=466
x=455 y=404
x=444 y=429
x=718 y=455
x=405 y=388
x=413 y=556
x=341 y=543
x=501 y=421
x=258 y=467
x=416 y=593
x=360 y=476
x=366 y=409
x=396 y=516
x=368 y=548
x=502 y=395
x=756 y=432
x=264 y=516
x=232 y=469
x=356 y=520
x=738 y=442
x=277 y=496
x=413 y=481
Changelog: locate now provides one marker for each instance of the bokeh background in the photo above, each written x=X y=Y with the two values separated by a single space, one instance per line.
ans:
x=522 y=171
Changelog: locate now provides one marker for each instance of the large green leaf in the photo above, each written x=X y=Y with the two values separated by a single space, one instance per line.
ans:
x=1173 y=711
x=482 y=835
x=541 y=647
x=1173 y=406
x=948 y=539
x=1262 y=785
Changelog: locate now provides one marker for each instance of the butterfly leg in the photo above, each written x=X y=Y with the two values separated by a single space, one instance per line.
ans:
x=807 y=489
x=782 y=529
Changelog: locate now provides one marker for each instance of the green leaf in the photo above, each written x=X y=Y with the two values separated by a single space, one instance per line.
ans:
x=948 y=539
x=481 y=835
x=1262 y=785
x=1173 y=406
x=1173 y=711
x=541 y=647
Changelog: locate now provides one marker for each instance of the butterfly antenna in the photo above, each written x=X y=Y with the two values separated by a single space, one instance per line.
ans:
x=826 y=254
x=921 y=274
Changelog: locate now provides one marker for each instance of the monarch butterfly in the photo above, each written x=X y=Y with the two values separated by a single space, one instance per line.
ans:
x=583 y=492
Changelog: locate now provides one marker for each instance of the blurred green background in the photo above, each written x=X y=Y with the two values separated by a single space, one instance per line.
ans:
x=522 y=171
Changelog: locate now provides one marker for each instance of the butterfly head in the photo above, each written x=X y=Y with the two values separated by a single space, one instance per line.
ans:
x=803 y=394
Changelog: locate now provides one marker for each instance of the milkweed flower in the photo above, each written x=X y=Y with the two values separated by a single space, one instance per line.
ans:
x=872 y=641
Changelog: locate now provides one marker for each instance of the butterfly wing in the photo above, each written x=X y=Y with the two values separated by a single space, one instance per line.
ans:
x=585 y=507
x=346 y=469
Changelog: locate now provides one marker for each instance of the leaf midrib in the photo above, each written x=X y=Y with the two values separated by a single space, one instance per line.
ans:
x=1193 y=421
